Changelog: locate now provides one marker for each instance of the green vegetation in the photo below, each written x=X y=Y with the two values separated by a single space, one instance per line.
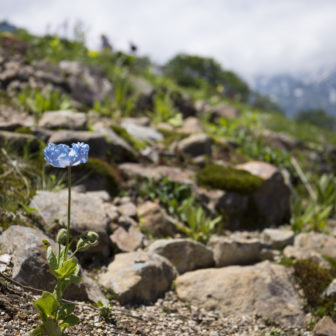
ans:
x=228 y=179
x=314 y=279
x=179 y=202
x=137 y=144
x=200 y=72
x=37 y=102
x=316 y=117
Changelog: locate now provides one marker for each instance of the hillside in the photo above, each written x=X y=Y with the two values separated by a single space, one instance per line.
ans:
x=213 y=215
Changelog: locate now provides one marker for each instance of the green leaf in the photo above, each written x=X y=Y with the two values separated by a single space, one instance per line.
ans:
x=37 y=331
x=46 y=305
x=51 y=328
x=68 y=268
x=52 y=261
x=69 y=321
x=65 y=310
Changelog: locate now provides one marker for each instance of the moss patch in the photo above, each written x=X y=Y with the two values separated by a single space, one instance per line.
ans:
x=97 y=174
x=314 y=279
x=171 y=136
x=228 y=179
x=137 y=144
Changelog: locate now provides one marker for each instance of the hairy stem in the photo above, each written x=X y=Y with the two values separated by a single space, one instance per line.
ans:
x=69 y=208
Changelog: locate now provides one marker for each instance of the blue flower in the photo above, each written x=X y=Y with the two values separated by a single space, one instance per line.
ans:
x=61 y=156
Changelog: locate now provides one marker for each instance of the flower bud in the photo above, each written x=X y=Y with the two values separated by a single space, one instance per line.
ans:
x=62 y=236
x=81 y=245
x=92 y=238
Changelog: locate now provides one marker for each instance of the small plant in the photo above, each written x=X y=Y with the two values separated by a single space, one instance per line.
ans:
x=198 y=226
x=37 y=101
x=56 y=315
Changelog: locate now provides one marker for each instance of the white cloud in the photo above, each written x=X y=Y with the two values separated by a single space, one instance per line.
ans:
x=250 y=37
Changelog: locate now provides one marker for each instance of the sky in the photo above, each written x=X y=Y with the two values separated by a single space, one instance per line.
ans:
x=251 y=37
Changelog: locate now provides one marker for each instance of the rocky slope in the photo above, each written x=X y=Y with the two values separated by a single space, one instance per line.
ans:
x=195 y=234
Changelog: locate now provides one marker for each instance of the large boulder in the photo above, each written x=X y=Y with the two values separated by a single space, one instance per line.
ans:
x=30 y=266
x=264 y=289
x=234 y=251
x=138 y=276
x=64 y=119
x=185 y=254
x=253 y=205
x=87 y=214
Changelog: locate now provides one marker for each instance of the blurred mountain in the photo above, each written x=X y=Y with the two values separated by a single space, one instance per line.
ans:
x=292 y=94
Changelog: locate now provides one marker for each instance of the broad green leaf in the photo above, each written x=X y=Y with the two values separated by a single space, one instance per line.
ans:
x=51 y=328
x=68 y=268
x=46 y=305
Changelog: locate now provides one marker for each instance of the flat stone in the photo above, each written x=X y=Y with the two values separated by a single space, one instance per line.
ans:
x=87 y=214
x=234 y=251
x=142 y=133
x=186 y=255
x=64 y=120
x=156 y=172
x=138 y=276
x=278 y=238
x=264 y=289
x=259 y=168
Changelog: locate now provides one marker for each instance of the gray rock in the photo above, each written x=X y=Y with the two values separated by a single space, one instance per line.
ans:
x=10 y=126
x=102 y=143
x=330 y=290
x=278 y=238
x=155 y=220
x=128 y=209
x=87 y=214
x=191 y=125
x=141 y=85
x=268 y=206
x=142 y=133
x=297 y=253
x=195 y=145
x=156 y=172
x=222 y=110
x=64 y=119
x=138 y=276
x=97 y=142
x=186 y=255
x=234 y=251
x=325 y=327
x=264 y=289
x=318 y=242
x=129 y=239
x=30 y=265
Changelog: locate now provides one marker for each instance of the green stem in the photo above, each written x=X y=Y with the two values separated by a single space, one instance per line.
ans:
x=69 y=209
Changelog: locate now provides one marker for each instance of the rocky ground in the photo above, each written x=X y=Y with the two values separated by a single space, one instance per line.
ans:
x=154 y=269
